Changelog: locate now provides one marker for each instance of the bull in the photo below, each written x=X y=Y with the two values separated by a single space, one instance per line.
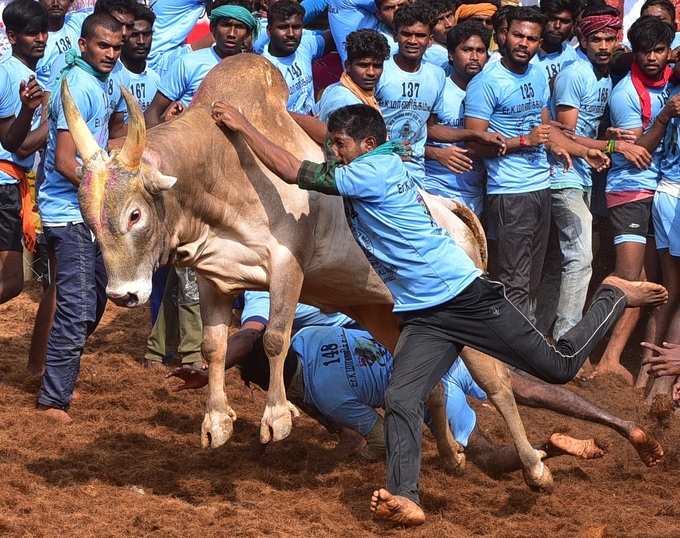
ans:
x=189 y=194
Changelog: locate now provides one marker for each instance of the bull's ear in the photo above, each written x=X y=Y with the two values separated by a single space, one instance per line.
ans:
x=159 y=183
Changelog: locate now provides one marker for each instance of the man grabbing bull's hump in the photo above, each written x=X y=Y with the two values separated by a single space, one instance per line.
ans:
x=443 y=300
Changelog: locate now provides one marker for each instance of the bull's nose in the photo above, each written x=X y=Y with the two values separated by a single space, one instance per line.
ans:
x=128 y=299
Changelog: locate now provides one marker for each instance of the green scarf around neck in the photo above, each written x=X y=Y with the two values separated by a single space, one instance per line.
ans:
x=388 y=148
x=73 y=59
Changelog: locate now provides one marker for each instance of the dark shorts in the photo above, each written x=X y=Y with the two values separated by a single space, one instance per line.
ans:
x=632 y=222
x=10 y=218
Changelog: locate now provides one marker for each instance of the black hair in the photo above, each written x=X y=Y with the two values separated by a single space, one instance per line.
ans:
x=666 y=5
x=410 y=14
x=599 y=8
x=527 y=14
x=551 y=7
x=99 y=20
x=501 y=16
x=25 y=17
x=358 y=122
x=111 y=6
x=647 y=32
x=255 y=369
x=366 y=44
x=465 y=30
x=143 y=13
x=284 y=9
x=441 y=6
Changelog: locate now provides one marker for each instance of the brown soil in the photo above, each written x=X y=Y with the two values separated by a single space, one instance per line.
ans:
x=131 y=463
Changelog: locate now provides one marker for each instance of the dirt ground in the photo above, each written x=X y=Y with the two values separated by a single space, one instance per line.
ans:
x=131 y=463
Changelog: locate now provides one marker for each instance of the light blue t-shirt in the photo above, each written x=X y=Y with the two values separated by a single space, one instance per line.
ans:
x=406 y=101
x=256 y=308
x=297 y=71
x=458 y=383
x=12 y=72
x=57 y=196
x=142 y=86
x=578 y=86
x=439 y=179
x=313 y=8
x=115 y=96
x=438 y=55
x=181 y=82
x=552 y=62
x=174 y=21
x=391 y=42
x=419 y=262
x=347 y=16
x=262 y=40
x=334 y=97
x=670 y=154
x=59 y=43
x=345 y=372
x=512 y=104
x=625 y=112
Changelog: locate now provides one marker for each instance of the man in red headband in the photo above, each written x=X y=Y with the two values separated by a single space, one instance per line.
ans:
x=580 y=96
x=637 y=105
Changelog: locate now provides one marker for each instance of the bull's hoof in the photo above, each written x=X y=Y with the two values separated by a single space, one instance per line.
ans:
x=539 y=478
x=217 y=428
x=277 y=422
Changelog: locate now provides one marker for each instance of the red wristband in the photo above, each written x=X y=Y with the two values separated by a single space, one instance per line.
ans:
x=523 y=141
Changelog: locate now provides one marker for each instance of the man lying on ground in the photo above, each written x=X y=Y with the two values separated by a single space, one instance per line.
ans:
x=339 y=376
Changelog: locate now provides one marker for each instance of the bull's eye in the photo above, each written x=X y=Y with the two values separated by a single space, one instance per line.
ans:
x=135 y=215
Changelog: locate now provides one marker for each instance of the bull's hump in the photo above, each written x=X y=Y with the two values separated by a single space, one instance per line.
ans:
x=244 y=81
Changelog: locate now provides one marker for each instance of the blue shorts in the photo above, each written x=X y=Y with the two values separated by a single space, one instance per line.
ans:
x=666 y=215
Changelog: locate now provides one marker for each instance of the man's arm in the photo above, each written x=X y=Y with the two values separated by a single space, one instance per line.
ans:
x=65 y=157
x=652 y=138
x=315 y=128
x=441 y=133
x=539 y=135
x=278 y=160
x=117 y=126
x=15 y=131
x=154 y=114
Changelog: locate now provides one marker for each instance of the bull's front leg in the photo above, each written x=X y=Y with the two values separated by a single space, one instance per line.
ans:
x=218 y=423
x=494 y=378
x=284 y=293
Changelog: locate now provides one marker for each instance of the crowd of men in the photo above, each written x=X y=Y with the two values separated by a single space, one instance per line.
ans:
x=541 y=120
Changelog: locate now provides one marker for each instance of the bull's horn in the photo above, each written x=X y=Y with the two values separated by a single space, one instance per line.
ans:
x=82 y=137
x=131 y=154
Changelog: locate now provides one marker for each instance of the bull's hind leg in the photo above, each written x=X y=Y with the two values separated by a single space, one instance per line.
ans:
x=218 y=423
x=284 y=292
x=494 y=378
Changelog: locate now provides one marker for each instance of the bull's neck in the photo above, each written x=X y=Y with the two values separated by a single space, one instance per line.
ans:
x=191 y=148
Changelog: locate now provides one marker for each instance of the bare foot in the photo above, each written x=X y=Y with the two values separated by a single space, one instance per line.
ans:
x=396 y=509
x=587 y=449
x=612 y=368
x=58 y=415
x=638 y=293
x=646 y=445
